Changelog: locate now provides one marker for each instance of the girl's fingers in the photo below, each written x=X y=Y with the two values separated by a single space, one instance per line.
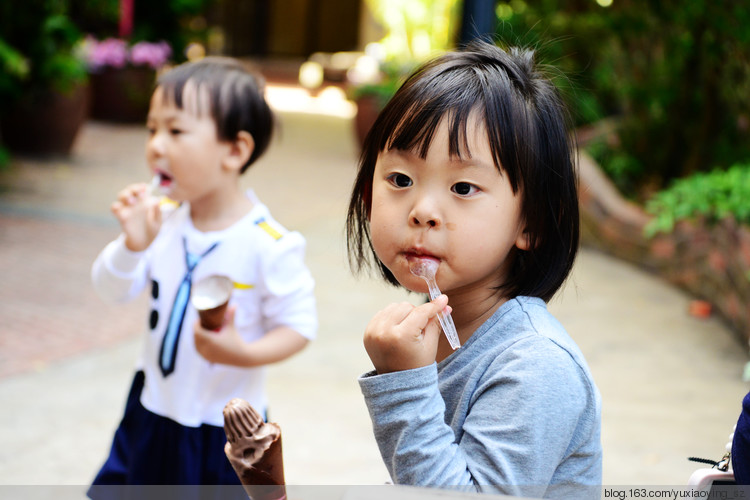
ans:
x=420 y=316
x=402 y=336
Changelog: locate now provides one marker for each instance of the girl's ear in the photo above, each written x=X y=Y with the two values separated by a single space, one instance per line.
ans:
x=240 y=151
x=523 y=240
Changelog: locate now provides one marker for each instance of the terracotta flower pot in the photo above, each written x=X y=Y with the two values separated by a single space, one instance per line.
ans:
x=45 y=122
x=368 y=109
x=122 y=94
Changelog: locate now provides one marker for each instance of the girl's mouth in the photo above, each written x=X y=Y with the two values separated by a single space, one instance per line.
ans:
x=414 y=254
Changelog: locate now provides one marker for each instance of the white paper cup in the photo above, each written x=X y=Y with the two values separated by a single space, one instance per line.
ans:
x=210 y=297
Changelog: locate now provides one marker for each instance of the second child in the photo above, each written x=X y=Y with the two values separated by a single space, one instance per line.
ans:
x=208 y=123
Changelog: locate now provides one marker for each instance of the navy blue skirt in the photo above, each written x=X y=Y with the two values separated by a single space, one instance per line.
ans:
x=148 y=449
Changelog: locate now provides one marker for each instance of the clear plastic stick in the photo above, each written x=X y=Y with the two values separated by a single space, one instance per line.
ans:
x=155 y=186
x=426 y=269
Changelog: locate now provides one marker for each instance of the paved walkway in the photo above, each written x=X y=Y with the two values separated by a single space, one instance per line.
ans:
x=670 y=383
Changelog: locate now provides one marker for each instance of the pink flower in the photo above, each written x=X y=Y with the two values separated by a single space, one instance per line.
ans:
x=114 y=52
x=110 y=52
x=154 y=55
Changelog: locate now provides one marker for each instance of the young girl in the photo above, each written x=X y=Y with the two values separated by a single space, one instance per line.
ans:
x=208 y=122
x=470 y=166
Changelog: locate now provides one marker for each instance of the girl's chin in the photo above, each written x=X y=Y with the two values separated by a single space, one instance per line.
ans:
x=413 y=283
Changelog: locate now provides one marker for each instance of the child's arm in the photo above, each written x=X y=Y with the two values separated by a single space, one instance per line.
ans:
x=287 y=304
x=227 y=347
x=518 y=425
x=118 y=274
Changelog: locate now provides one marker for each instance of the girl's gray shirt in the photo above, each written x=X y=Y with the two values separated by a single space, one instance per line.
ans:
x=514 y=411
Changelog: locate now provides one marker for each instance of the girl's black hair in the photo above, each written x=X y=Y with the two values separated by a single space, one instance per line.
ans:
x=237 y=100
x=528 y=129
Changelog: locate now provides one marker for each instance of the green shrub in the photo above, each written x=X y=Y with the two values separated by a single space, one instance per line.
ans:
x=37 y=49
x=711 y=196
x=4 y=158
x=676 y=75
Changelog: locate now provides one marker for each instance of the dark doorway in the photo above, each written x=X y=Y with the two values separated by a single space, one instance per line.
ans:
x=289 y=28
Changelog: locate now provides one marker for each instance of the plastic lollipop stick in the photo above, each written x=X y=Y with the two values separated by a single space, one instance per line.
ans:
x=426 y=269
x=155 y=186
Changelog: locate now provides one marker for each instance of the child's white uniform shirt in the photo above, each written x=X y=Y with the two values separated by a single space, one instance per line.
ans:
x=273 y=288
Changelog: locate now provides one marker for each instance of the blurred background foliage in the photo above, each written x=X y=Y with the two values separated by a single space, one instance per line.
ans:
x=37 y=41
x=708 y=196
x=38 y=38
x=178 y=22
x=40 y=42
x=667 y=84
x=414 y=30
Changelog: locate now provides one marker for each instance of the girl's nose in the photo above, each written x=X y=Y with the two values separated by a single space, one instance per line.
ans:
x=425 y=213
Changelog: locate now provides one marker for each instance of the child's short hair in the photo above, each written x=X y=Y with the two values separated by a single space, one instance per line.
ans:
x=528 y=130
x=236 y=97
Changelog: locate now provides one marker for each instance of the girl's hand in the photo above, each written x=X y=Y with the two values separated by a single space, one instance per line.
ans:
x=139 y=216
x=403 y=336
x=225 y=346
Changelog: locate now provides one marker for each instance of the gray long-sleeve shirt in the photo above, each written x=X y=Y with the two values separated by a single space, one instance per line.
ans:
x=514 y=410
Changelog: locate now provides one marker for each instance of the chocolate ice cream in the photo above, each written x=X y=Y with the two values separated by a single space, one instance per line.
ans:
x=254 y=450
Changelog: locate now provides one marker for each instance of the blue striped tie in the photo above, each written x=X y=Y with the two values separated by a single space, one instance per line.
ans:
x=168 y=352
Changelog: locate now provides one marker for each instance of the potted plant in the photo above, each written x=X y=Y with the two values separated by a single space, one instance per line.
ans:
x=372 y=94
x=43 y=83
x=122 y=76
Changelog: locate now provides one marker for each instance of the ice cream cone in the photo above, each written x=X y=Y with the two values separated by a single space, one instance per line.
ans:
x=254 y=450
x=210 y=296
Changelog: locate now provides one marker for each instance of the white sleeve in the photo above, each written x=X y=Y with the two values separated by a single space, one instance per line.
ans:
x=288 y=287
x=119 y=275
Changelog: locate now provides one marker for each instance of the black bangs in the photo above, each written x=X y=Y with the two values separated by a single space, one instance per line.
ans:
x=459 y=91
x=430 y=102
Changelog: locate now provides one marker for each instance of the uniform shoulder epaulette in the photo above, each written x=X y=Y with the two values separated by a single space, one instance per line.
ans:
x=273 y=232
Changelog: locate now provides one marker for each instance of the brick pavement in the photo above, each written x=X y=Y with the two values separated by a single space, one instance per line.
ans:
x=53 y=221
x=48 y=308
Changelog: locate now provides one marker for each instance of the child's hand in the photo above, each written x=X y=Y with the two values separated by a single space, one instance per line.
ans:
x=402 y=336
x=224 y=346
x=139 y=216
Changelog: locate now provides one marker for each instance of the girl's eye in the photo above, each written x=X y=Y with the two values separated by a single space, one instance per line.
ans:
x=151 y=130
x=175 y=131
x=399 y=180
x=464 y=189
